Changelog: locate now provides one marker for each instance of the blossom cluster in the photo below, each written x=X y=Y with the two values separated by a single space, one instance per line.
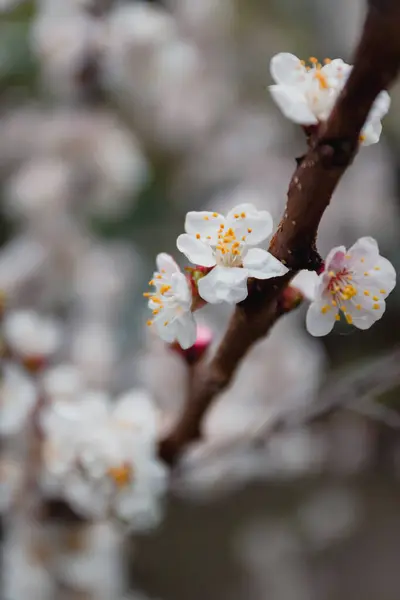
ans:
x=225 y=252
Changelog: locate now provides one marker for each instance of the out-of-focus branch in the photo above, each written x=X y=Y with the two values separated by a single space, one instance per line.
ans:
x=331 y=151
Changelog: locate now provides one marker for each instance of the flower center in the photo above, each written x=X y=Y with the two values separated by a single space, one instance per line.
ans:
x=316 y=68
x=342 y=290
x=229 y=249
x=122 y=475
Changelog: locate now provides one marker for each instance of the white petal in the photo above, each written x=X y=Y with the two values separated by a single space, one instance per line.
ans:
x=262 y=265
x=135 y=407
x=382 y=276
x=185 y=331
x=256 y=225
x=204 y=223
x=166 y=332
x=317 y=322
x=307 y=282
x=293 y=104
x=365 y=245
x=380 y=106
x=371 y=132
x=198 y=252
x=224 y=284
x=166 y=263
x=286 y=68
x=181 y=289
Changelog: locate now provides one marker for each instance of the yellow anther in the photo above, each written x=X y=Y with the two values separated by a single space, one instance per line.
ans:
x=323 y=83
x=325 y=309
x=243 y=215
x=209 y=237
x=358 y=306
x=331 y=273
x=362 y=260
x=236 y=216
x=222 y=226
x=361 y=138
x=327 y=61
x=164 y=288
x=158 y=276
x=382 y=291
x=377 y=268
x=347 y=256
x=206 y=218
x=366 y=274
x=151 y=282
x=366 y=293
x=166 y=323
x=243 y=238
x=157 y=300
x=375 y=306
x=313 y=60
x=156 y=311
x=337 y=317
x=121 y=475
x=375 y=298
x=249 y=230
x=162 y=270
x=198 y=236
x=334 y=303
x=149 y=322
x=349 y=319
x=215 y=214
x=303 y=62
x=147 y=294
x=236 y=252
x=344 y=296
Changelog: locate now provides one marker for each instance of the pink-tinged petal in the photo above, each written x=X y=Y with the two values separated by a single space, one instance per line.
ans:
x=293 y=104
x=224 y=284
x=320 y=322
x=204 y=223
x=198 y=252
x=166 y=263
x=307 y=282
x=286 y=68
x=262 y=265
x=335 y=259
x=365 y=317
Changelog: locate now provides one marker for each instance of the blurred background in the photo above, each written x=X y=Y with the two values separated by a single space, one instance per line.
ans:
x=116 y=119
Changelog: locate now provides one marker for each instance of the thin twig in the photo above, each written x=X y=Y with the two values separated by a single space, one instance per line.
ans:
x=331 y=151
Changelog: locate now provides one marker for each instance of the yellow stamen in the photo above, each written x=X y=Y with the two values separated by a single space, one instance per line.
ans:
x=334 y=303
x=236 y=216
x=325 y=309
x=166 y=323
x=147 y=294
x=215 y=214
x=323 y=83
x=243 y=215
x=331 y=273
x=366 y=293
x=366 y=274
x=362 y=260
x=158 y=276
x=375 y=306
x=382 y=291
x=358 y=306
x=156 y=311
x=206 y=218
x=375 y=298
x=337 y=317
x=249 y=230
x=157 y=300
x=121 y=475
x=243 y=238
x=313 y=60
x=164 y=288
x=149 y=322
x=198 y=236
x=349 y=319
x=151 y=282
x=327 y=61
x=377 y=268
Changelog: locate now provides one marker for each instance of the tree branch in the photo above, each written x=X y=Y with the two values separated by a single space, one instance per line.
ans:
x=331 y=151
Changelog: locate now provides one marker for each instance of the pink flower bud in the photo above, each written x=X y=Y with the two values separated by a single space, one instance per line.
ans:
x=203 y=341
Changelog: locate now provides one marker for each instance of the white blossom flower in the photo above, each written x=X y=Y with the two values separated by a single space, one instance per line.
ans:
x=101 y=458
x=354 y=282
x=30 y=335
x=212 y=240
x=63 y=383
x=17 y=398
x=306 y=95
x=171 y=303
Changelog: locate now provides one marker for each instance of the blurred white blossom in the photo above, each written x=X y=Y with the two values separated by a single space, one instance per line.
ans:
x=102 y=459
x=29 y=335
x=17 y=399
